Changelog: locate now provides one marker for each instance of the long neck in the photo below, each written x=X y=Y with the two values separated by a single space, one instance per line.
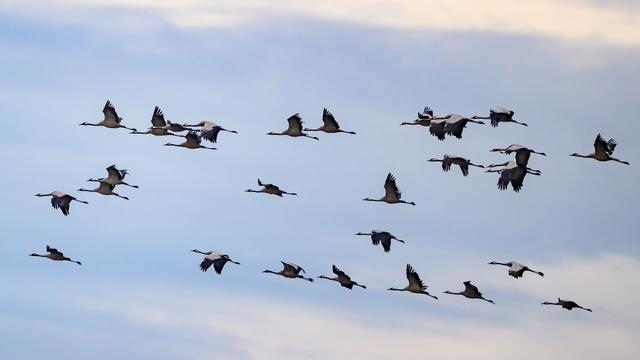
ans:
x=395 y=289
x=499 y=263
x=369 y=199
x=454 y=293
x=200 y=252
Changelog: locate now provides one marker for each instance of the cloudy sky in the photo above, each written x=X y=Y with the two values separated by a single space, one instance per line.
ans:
x=570 y=69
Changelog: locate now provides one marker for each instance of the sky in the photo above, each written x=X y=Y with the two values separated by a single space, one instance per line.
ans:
x=570 y=69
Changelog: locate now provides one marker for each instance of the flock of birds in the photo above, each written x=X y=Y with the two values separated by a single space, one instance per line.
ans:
x=511 y=172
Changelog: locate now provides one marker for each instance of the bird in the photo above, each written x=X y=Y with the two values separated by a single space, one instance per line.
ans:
x=392 y=193
x=381 y=237
x=111 y=119
x=291 y=271
x=602 y=151
x=342 y=278
x=294 y=129
x=449 y=159
x=516 y=269
x=330 y=125
x=214 y=258
x=115 y=177
x=416 y=285
x=105 y=189
x=209 y=131
x=567 y=304
x=61 y=200
x=424 y=118
x=56 y=255
x=498 y=115
x=522 y=153
x=270 y=189
x=470 y=291
x=456 y=123
x=512 y=173
x=193 y=141
x=158 y=127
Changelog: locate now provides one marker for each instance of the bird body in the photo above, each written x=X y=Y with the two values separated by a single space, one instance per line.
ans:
x=566 y=304
x=330 y=125
x=193 y=141
x=392 y=194
x=342 y=278
x=60 y=200
x=498 y=115
x=111 y=119
x=416 y=285
x=270 y=189
x=449 y=160
x=115 y=177
x=290 y=271
x=209 y=131
x=54 y=254
x=381 y=237
x=470 y=291
x=159 y=126
x=294 y=129
x=214 y=258
x=522 y=153
x=603 y=151
x=516 y=269
x=105 y=189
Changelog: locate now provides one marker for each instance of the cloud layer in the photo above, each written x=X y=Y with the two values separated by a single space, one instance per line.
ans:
x=573 y=20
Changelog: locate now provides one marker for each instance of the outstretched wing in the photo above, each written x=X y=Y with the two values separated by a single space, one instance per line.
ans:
x=206 y=264
x=218 y=264
x=53 y=251
x=192 y=138
x=468 y=287
x=211 y=134
x=157 y=120
x=295 y=123
x=110 y=113
x=62 y=203
x=292 y=267
x=340 y=273
x=391 y=188
x=112 y=172
x=329 y=120
x=414 y=278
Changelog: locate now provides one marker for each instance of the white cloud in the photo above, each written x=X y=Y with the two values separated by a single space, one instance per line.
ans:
x=575 y=20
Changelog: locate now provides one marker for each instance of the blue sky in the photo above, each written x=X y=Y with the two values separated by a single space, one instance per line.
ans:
x=139 y=292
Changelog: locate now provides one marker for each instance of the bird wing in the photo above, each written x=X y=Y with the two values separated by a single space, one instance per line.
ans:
x=522 y=156
x=391 y=188
x=292 y=267
x=506 y=175
x=192 y=138
x=218 y=264
x=157 y=120
x=340 y=273
x=110 y=112
x=53 y=251
x=295 y=123
x=600 y=145
x=468 y=287
x=414 y=278
x=211 y=134
x=446 y=162
x=62 y=203
x=376 y=237
x=206 y=264
x=329 y=120
x=114 y=173
x=436 y=128
x=386 y=243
